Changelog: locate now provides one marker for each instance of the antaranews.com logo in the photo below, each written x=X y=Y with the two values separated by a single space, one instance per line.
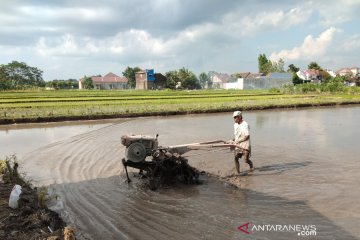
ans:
x=300 y=230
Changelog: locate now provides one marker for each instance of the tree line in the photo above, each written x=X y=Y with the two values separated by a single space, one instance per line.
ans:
x=18 y=75
x=175 y=79
x=267 y=66
x=63 y=84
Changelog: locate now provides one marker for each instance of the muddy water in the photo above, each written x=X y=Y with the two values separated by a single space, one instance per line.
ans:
x=20 y=139
x=307 y=173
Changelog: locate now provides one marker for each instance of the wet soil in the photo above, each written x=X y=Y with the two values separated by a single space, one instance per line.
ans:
x=28 y=221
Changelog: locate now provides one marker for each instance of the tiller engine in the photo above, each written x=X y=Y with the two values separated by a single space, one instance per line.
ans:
x=166 y=164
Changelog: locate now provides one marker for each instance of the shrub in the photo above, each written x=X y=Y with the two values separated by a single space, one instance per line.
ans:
x=9 y=169
x=288 y=88
x=306 y=87
x=2 y=166
x=274 y=90
x=332 y=87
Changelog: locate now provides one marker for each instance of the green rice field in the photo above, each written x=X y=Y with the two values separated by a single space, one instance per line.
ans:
x=39 y=106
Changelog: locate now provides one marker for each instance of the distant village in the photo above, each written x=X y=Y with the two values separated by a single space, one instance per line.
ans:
x=18 y=75
x=148 y=79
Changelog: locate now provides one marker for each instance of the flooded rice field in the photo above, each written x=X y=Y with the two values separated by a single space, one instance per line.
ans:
x=305 y=186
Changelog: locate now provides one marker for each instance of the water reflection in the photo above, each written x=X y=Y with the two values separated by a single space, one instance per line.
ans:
x=22 y=138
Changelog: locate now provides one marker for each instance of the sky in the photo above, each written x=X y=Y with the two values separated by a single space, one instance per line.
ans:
x=71 y=39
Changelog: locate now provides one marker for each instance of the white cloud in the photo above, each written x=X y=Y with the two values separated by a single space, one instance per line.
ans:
x=309 y=49
x=10 y=50
x=265 y=21
x=84 y=14
x=129 y=42
x=352 y=43
x=67 y=45
x=334 y=12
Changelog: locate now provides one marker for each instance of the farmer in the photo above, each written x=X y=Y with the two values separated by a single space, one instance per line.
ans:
x=242 y=139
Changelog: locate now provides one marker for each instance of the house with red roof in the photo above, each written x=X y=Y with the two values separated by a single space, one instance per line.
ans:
x=312 y=75
x=108 y=82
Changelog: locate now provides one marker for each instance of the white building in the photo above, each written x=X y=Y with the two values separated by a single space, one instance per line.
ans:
x=350 y=72
x=331 y=72
x=218 y=79
x=273 y=80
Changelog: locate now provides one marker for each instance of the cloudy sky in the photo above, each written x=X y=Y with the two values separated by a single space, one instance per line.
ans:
x=70 y=39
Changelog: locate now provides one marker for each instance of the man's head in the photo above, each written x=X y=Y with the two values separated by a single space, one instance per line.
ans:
x=237 y=116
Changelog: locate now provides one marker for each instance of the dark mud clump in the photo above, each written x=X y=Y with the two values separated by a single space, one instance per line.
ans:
x=28 y=221
x=31 y=220
x=166 y=170
x=172 y=170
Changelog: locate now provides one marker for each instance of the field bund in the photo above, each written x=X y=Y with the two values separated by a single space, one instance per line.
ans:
x=62 y=105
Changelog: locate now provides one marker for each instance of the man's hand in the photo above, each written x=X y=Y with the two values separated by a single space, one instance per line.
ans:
x=232 y=148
